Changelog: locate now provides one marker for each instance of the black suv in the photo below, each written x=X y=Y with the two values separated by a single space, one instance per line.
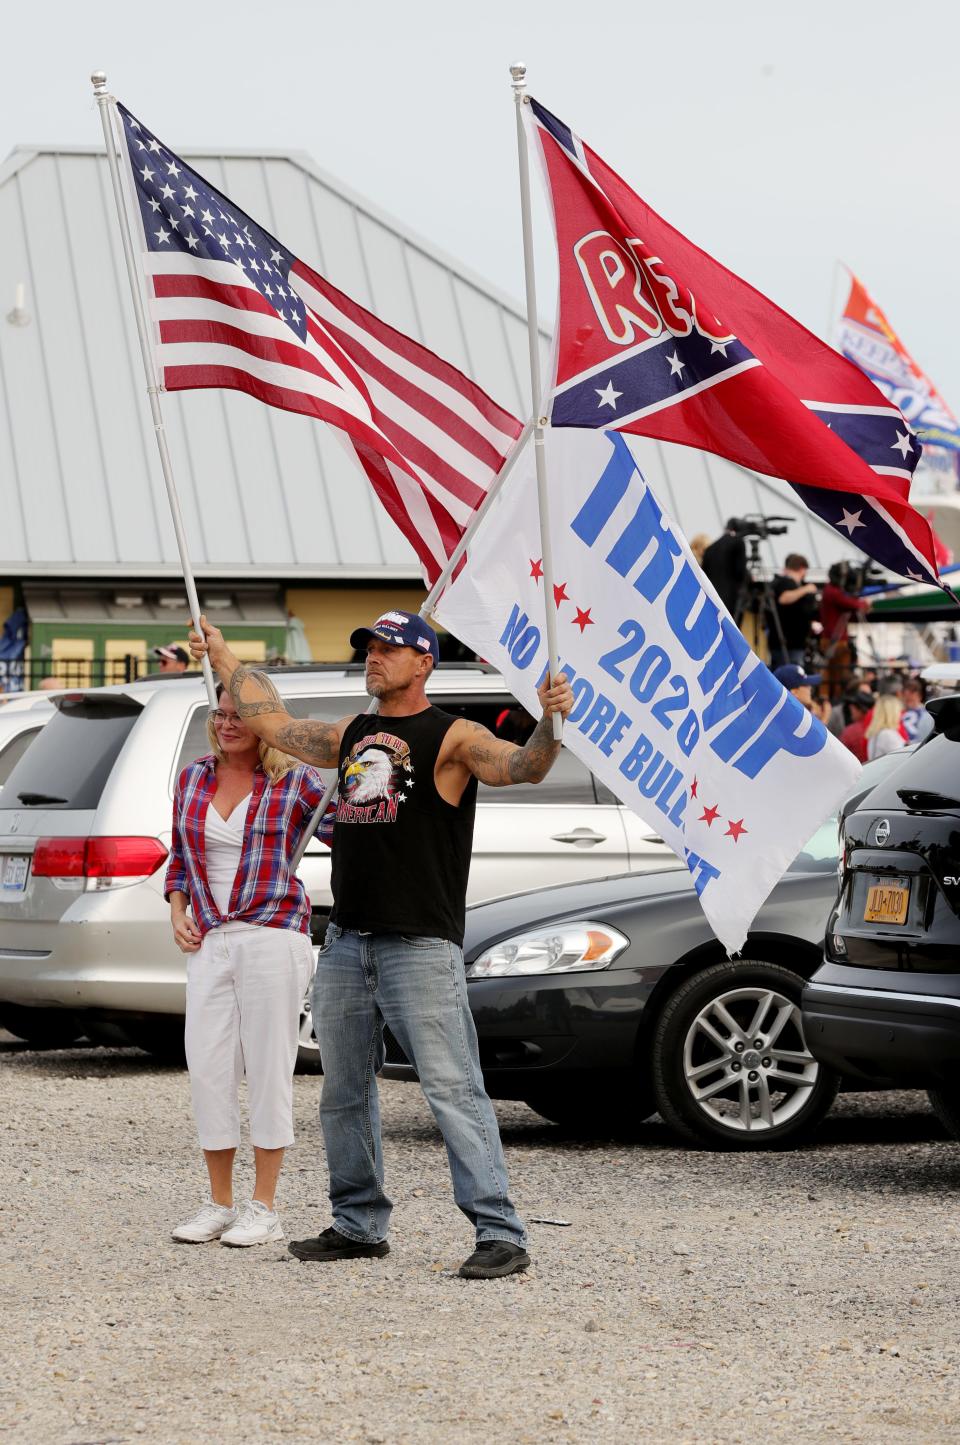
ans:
x=885 y=1005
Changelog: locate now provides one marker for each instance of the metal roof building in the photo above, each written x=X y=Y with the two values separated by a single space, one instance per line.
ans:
x=265 y=494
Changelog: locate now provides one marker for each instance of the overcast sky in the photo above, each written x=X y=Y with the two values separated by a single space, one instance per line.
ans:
x=780 y=138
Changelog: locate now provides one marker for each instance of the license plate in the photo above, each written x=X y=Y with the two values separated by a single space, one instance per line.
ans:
x=888 y=902
x=14 y=868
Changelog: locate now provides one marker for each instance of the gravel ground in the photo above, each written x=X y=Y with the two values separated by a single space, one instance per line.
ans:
x=809 y=1296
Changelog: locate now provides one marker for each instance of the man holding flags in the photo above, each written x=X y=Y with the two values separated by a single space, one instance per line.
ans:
x=393 y=952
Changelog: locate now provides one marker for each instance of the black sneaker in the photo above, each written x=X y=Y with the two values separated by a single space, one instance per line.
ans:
x=333 y=1245
x=492 y=1259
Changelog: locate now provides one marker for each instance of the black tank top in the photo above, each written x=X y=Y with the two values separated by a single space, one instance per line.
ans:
x=401 y=853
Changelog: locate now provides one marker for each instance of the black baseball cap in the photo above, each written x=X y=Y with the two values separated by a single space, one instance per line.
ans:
x=403 y=629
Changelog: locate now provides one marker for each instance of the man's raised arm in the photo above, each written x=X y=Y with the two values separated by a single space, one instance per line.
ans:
x=260 y=706
x=499 y=763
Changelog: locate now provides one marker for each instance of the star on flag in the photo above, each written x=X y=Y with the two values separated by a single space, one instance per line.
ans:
x=735 y=829
x=608 y=396
x=708 y=815
x=583 y=620
x=560 y=593
x=536 y=569
x=851 y=521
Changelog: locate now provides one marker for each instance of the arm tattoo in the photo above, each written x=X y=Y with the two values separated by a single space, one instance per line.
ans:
x=532 y=762
x=500 y=766
x=256 y=707
x=314 y=742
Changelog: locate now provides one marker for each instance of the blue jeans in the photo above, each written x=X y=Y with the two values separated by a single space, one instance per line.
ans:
x=417 y=986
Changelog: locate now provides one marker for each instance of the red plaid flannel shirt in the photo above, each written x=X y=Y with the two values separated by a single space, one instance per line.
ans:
x=264 y=890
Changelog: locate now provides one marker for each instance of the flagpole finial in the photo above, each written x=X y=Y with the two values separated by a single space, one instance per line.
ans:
x=518 y=72
x=99 y=82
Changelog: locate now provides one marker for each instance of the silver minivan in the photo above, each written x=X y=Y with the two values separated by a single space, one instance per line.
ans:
x=85 y=826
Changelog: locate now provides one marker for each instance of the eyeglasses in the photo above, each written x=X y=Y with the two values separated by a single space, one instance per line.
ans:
x=219 y=716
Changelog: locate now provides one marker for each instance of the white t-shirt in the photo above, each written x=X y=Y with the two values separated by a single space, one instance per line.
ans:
x=223 y=839
x=887 y=740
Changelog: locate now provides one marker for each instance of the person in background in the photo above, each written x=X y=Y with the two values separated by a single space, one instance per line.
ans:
x=725 y=564
x=836 y=609
x=883 y=730
x=238 y=816
x=698 y=545
x=820 y=707
x=172 y=658
x=858 y=706
x=794 y=610
x=916 y=721
x=800 y=683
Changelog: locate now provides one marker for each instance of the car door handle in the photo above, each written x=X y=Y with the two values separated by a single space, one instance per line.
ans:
x=580 y=838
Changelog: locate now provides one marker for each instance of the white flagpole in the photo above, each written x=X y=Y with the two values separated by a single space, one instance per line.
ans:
x=107 y=107
x=518 y=73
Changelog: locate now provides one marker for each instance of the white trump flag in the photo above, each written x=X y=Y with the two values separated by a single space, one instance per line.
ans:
x=673 y=711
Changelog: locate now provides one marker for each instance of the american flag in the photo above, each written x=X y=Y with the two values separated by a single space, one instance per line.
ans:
x=233 y=307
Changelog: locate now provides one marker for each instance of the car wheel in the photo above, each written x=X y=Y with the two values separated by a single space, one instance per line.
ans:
x=586 y=1110
x=45 y=1028
x=946 y=1105
x=163 y=1039
x=731 y=1068
x=308 y=1050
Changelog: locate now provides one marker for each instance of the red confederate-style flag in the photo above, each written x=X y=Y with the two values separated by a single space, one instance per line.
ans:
x=656 y=337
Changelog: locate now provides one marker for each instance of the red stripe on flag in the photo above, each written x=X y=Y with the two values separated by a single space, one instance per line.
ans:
x=266 y=348
x=386 y=489
x=412 y=351
x=192 y=283
x=420 y=454
x=201 y=376
x=421 y=401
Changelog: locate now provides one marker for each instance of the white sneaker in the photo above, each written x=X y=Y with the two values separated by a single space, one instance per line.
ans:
x=207 y=1224
x=257 y=1225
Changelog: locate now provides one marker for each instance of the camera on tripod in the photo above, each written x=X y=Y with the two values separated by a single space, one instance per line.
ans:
x=756 y=525
x=852 y=577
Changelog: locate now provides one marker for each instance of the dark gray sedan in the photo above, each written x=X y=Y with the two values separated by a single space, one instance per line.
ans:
x=602 y=1002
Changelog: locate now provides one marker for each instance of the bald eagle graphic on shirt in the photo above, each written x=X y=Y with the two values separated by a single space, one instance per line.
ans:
x=375 y=779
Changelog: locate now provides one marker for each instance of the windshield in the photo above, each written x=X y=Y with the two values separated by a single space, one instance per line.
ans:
x=821 y=853
x=930 y=768
x=68 y=764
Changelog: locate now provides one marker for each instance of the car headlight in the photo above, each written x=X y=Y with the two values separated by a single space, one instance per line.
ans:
x=567 y=948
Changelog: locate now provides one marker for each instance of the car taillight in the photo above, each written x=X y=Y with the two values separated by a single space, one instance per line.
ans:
x=97 y=857
x=59 y=857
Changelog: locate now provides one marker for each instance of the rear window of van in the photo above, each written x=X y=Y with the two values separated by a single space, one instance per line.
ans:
x=67 y=765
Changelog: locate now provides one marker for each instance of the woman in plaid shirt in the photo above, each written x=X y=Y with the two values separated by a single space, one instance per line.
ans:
x=242 y=918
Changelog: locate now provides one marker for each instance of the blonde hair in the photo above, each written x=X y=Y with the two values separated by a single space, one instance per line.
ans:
x=275 y=764
x=886 y=714
x=699 y=544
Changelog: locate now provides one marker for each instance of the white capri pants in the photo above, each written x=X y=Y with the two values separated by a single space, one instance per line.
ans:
x=245 y=988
